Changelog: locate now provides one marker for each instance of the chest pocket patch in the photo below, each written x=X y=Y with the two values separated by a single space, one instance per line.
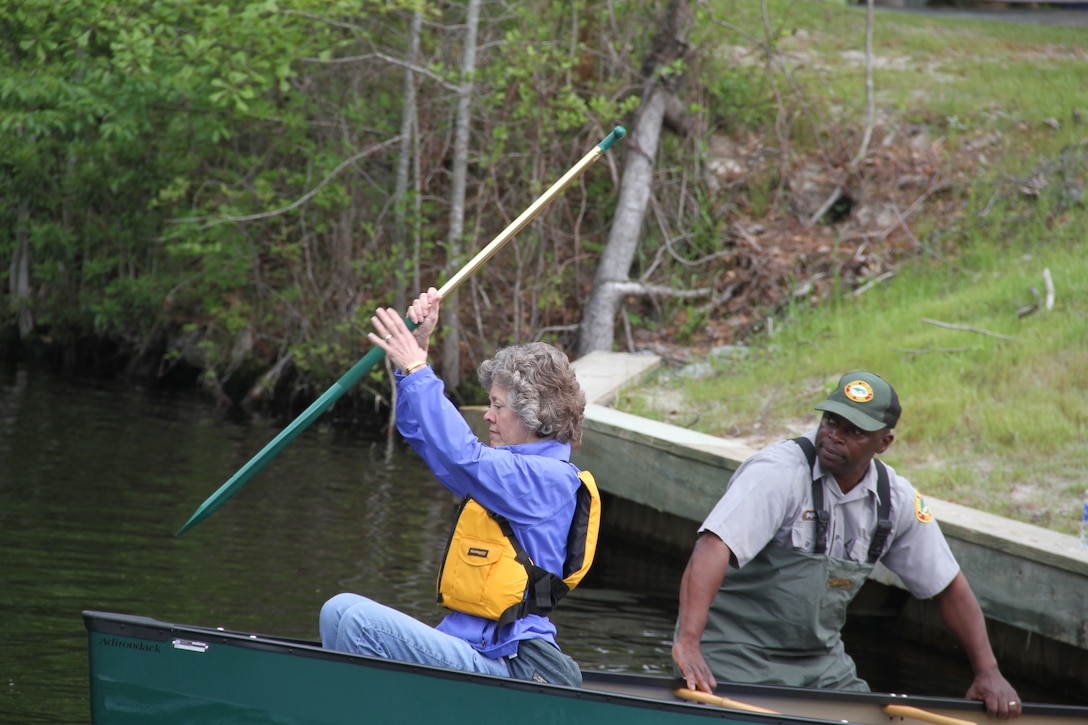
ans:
x=803 y=533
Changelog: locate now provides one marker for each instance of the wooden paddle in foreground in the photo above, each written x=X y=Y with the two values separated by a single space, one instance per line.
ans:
x=904 y=711
x=708 y=699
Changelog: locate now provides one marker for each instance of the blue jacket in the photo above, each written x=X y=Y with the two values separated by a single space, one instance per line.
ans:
x=533 y=485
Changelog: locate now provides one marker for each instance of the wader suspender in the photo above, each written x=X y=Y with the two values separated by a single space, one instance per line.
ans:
x=883 y=492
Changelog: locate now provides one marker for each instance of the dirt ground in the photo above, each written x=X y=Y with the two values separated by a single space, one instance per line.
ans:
x=831 y=224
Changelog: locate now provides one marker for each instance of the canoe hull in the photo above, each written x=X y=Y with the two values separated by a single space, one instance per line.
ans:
x=143 y=670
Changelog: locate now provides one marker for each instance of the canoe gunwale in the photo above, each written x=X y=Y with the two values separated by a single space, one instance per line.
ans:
x=741 y=691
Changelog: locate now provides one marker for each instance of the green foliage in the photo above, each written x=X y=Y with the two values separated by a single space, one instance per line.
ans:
x=737 y=98
x=116 y=122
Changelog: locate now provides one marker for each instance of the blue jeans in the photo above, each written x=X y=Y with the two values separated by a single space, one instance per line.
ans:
x=352 y=623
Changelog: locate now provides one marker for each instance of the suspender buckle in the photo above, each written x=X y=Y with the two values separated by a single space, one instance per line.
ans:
x=823 y=521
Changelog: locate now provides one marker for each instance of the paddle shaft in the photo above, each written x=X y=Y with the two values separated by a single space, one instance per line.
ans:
x=710 y=699
x=906 y=711
x=372 y=358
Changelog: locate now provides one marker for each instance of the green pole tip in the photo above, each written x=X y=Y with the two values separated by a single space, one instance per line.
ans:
x=617 y=133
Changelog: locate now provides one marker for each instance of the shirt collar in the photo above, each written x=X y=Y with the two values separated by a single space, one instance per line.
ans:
x=548 y=447
x=866 y=486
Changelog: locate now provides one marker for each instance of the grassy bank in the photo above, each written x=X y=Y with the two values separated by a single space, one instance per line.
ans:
x=994 y=385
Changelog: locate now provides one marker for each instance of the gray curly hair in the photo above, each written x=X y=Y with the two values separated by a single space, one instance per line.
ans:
x=541 y=389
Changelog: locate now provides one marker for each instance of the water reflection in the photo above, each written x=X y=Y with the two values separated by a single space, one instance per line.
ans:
x=94 y=480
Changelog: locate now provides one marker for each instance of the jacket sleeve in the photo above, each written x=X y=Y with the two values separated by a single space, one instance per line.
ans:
x=520 y=487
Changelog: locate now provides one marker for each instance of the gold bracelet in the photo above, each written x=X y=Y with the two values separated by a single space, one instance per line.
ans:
x=409 y=369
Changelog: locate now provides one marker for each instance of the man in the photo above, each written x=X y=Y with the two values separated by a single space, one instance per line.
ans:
x=799 y=531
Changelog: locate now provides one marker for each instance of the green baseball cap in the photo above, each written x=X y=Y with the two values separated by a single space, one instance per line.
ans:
x=865 y=400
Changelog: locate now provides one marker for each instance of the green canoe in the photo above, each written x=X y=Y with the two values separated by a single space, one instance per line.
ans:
x=146 y=671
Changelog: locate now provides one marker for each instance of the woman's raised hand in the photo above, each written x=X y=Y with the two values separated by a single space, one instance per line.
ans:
x=407 y=349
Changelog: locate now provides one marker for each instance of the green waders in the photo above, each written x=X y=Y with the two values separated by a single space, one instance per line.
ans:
x=778 y=620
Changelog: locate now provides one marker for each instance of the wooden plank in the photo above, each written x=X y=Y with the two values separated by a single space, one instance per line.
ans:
x=1026 y=593
x=1016 y=538
x=603 y=375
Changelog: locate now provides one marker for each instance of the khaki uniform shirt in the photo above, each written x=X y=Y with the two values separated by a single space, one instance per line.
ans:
x=769 y=499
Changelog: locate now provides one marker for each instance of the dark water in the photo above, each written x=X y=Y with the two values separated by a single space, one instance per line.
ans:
x=95 y=479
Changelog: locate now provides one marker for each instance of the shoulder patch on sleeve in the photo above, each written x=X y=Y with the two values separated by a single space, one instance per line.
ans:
x=921 y=511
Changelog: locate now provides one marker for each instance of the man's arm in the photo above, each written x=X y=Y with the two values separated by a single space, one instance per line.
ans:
x=962 y=615
x=702 y=578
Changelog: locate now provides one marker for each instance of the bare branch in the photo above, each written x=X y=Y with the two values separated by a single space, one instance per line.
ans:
x=778 y=58
x=391 y=61
x=638 y=288
x=747 y=236
x=728 y=26
x=924 y=350
x=870 y=115
x=873 y=283
x=268 y=381
x=966 y=328
x=720 y=298
x=298 y=202
x=825 y=206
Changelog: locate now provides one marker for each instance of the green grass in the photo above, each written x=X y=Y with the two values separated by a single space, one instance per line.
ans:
x=997 y=424
x=1001 y=425
x=984 y=71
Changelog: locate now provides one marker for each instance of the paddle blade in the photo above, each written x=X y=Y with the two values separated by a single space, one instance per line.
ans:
x=288 y=434
x=259 y=461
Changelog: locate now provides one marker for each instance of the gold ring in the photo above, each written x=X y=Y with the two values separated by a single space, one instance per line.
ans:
x=1012 y=703
x=389 y=337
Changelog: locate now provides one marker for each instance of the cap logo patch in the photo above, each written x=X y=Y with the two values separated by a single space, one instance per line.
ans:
x=858 y=391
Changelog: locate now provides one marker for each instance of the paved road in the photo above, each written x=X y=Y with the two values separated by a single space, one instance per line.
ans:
x=1068 y=17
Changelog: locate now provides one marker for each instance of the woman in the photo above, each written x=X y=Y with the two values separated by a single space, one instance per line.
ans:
x=525 y=477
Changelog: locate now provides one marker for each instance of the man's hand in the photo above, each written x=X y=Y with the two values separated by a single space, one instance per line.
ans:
x=962 y=615
x=696 y=673
x=1000 y=697
x=702 y=578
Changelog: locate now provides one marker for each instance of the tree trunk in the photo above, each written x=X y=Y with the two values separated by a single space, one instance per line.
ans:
x=19 y=278
x=404 y=164
x=451 y=342
x=597 y=331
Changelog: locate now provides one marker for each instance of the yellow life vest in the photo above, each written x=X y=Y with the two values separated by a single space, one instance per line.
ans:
x=485 y=570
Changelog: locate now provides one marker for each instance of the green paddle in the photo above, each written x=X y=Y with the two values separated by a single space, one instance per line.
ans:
x=361 y=368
